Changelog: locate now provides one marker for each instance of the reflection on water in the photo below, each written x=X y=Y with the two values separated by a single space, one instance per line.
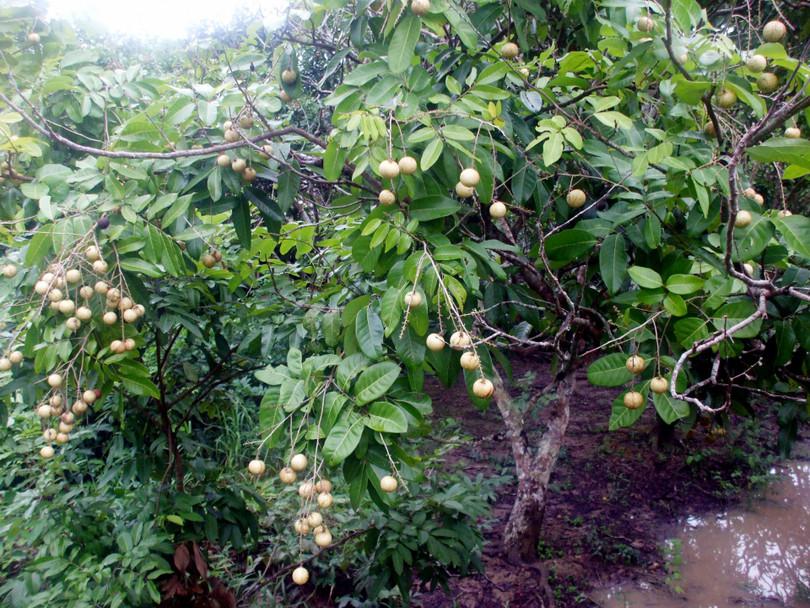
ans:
x=754 y=557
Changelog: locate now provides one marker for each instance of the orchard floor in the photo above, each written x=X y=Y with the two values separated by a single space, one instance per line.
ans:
x=613 y=494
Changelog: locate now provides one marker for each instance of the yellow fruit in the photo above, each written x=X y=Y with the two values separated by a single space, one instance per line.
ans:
x=74 y=275
x=756 y=63
x=784 y=213
x=78 y=408
x=793 y=133
x=125 y=303
x=49 y=434
x=300 y=575
x=388 y=484
x=117 y=346
x=101 y=288
x=470 y=361
x=246 y=121
x=324 y=485
x=633 y=400
x=635 y=364
x=497 y=210
x=298 y=463
x=389 y=169
x=92 y=253
x=113 y=296
x=65 y=428
x=5 y=364
x=510 y=50
x=420 y=7
x=55 y=295
x=463 y=191
x=129 y=344
x=301 y=526
x=109 y=318
x=645 y=24
x=323 y=539
x=55 y=400
x=41 y=287
x=73 y=324
x=44 y=411
x=576 y=198
x=774 y=31
x=749 y=193
x=306 y=489
x=66 y=307
x=768 y=82
x=284 y=96
x=223 y=160
x=386 y=197
x=33 y=38
x=483 y=388
x=55 y=380
x=287 y=475
x=726 y=98
x=256 y=467
x=46 y=451
x=15 y=357
x=407 y=164
x=231 y=136
x=9 y=271
x=289 y=76
x=412 y=299
x=460 y=339
x=748 y=269
x=435 y=342
x=469 y=177
x=62 y=438
x=759 y=200
x=249 y=174
x=709 y=129
x=325 y=500
x=208 y=260
x=659 y=385
x=89 y=396
x=315 y=519
x=227 y=125
x=100 y=267
x=238 y=165
x=743 y=219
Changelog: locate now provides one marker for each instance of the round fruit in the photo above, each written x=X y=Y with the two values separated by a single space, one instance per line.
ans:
x=113 y=294
x=223 y=160
x=89 y=396
x=109 y=318
x=67 y=418
x=659 y=385
x=784 y=213
x=463 y=191
x=726 y=98
x=510 y=50
x=83 y=313
x=33 y=38
x=65 y=428
x=300 y=575
x=768 y=82
x=645 y=24
x=15 y=357
x=238 y=165
x=460 y=339
x=55 y=400
x=86 y=292
x=49 y=435
x=44 y=411
x=289 y=76
x=306 y=489
x=388 y=484
x=92 y=253
x=231 y=136
x=78 y=408
x=325 y=500
x=67 y=307
x=575 y=198
x=743 y=219
x=249 y=174
x=141 y=309
x=709 y=129
x=9 y=271
x=748 y=269
x=315 y=519
x=287 y=475
x=298 y=463
x=793 y=133
x=246 y=121
x=633 y=400
x=469 y=177
x=435 y=342
x=41 y=287
x=55 y=380
x=74 y=275
x=73 y=324
x=301 y=526
x=256 y=467
x=130 y=316
x=774 y=31
x=100 y=267
x=208 y=260
x=412 y=299
x=46 y=451
x=386 y=197
x=635 y=364
x=524 y=72
x=117 y=346
x=5 y=364
x=324 y=485
x=497 y=210
x=756 y=63
x=285 y=97
x=389 y=169
x=101 y=288
x=55 y=295
x=129 y=344
x=759 y=200
x=324 y=539
x=483 y=388
x=62 y=438
x=407 y=164
x=470 y=361
x=420 y=7
x=267 y=150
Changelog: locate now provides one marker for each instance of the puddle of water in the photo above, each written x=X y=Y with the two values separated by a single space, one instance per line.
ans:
x=754 y=557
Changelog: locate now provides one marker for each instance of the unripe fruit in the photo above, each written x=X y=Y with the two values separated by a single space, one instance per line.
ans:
x=130 y=316
x=117 y=346
x=300 y=575
x=726 y=98
x=217 y=255
x=83 y=313
x=633 y=400
x=100 y=267
x=497 y=210
x=9 y=271
x=86 y=292
x=575 y=198
x=463 y=191
x=756 y=63
x=435 y=343
x=748 y=269
x=298 y=463
x=231 y=136
x=74 y=275
x=774 y=31
x=289 y=76
x=208 y=260
x=483 y=388
x=301 y=526
x=412 y=299
x=315 y=519
x=109 y=318
x=407 y=164
x=46 y=451
x=129 y=344
x=33 y=38
x=249 y=174
x=793 y=133
x=62 y=438
x=420 y=7
x=228 y=124
x=89 y=396
x=92 y=253
x=55 y=380
x=386 y=197
x=460 y=339
x=635 y=364
x=67 y=307
x=223 y=160
x=469 y=177
x=41 y=287
x=287 y=475
x=645 y=24
x=101 y=288
x=55 y=295
x=325 y=500
x=5 y=364
x=78 y=408
x=306 y=489
x=49 y=435
x=709 y=129
x=524 y=72
x=743 y=219
x=15 y=357
x=749 y=193
x=388 y=484
x=44 y=411
x=470 y=361
x=73 y=324
x=768 y=82
x=256 y=467
x=510 y=50
x=389 y=169
x=284 y=96
x=246 y=121
x=759 y=199
x=324 y=485
x=323 y=539
x=103 y=222
x=659 y=385
x=267 y=150
x=238 y=165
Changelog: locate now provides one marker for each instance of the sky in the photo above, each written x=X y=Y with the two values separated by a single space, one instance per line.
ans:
x=165 y=19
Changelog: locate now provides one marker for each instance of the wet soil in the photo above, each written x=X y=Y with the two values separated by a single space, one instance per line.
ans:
x=612 y=493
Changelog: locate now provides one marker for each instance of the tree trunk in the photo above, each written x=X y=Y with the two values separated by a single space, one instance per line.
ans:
x=533 y=466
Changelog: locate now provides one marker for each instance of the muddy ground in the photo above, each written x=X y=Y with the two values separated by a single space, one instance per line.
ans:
x=612 y=494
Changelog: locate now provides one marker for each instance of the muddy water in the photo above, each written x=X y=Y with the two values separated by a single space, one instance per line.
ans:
x=758 y=556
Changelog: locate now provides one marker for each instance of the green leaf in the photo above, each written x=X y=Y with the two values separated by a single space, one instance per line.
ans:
x=669 y=408
x=386 y=417
x=732 y=313
x=368 y=328
x=782 y=150
x=343 y=438
x=569 y=245
x=795 y=229
x=675 y=305
x=431 y=153
x=349 y=368
x=240 y=216
x=433 y=207
x=375 y=381
x=684 y=284
x=645 y=277
x=610 y=370
x=403 y=43
x=613 y=262
x=39 y=246
x=215 y=184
